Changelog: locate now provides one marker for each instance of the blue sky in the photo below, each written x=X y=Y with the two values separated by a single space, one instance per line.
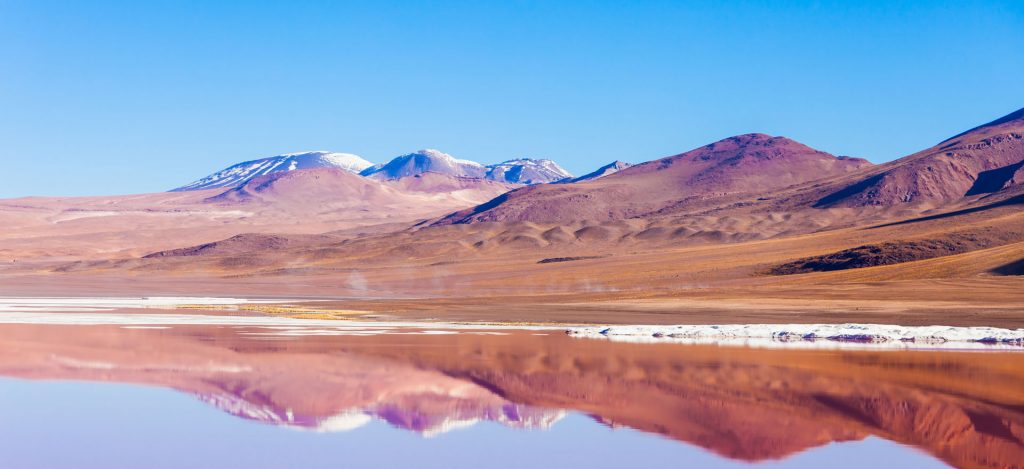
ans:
x=124 y=97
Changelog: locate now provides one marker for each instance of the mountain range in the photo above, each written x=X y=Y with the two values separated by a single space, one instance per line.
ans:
x=516 y=171
x=751 y=214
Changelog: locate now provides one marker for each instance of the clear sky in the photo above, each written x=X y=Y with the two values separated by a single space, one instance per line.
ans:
x=123 y=97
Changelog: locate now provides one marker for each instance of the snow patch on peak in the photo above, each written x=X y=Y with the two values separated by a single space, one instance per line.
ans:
x=440 y=154
x=346 y=161
x=426 y=160
x=527 y=171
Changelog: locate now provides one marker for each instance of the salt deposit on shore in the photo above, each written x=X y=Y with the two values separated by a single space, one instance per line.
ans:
x=105 y=311
x=813 y=335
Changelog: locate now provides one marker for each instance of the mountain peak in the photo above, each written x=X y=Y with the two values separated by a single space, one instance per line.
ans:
x=422 y=161
x=515 y=171
x=527 y=171
x=757 y=149
x=606 y=170
x=740 y=166
x=754 y=139
x=433 y=153
x=239 y=174
x=1014 y=116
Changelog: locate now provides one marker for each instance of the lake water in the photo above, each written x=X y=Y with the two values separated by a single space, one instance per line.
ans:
x=253 y=396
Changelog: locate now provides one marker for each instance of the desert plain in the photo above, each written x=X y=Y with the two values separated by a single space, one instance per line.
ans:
x=750 y=229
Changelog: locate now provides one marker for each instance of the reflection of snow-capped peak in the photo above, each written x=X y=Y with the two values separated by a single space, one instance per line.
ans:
x=241 y=408
x=343 y=422
x=446 y=426
x=456 y=414
x=531 y=417
x=461 y=414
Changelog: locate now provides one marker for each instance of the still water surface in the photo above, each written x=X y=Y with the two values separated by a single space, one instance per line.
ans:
x=242 y=396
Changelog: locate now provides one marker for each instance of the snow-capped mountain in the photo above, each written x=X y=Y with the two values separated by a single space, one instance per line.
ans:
x=423 y=161
x=240 y=173
x=608 y=169
x=527 y=171
x=518 y=171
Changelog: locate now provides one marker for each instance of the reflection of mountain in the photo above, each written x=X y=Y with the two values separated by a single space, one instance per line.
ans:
x=428 y=414
x=965 y=408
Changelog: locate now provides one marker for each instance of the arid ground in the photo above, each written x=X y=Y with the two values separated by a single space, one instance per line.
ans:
x=753 y=228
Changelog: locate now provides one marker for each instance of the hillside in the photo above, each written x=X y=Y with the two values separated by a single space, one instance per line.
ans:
x=984 y=161
x=751 y=164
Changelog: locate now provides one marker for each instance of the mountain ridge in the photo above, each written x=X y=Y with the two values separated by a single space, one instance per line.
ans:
x=742 y=164
x=981 y=161
x=524 y=171
x=240 y=173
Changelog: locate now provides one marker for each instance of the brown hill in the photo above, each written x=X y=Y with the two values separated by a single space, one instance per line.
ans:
x=982 y=161
x=748 y=164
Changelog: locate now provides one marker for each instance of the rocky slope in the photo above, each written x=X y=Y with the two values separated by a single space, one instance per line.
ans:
x=983 y=161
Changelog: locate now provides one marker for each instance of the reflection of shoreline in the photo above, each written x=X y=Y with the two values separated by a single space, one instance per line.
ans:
x=811 y=344
x=754 y=405
x=776 y=336
x=965 y=408
x=815 y=336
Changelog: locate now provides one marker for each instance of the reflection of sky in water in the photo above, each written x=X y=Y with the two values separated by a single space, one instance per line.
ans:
x=89 y=425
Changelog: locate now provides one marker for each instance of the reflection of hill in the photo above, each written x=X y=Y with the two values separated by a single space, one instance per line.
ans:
x=967 y=409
